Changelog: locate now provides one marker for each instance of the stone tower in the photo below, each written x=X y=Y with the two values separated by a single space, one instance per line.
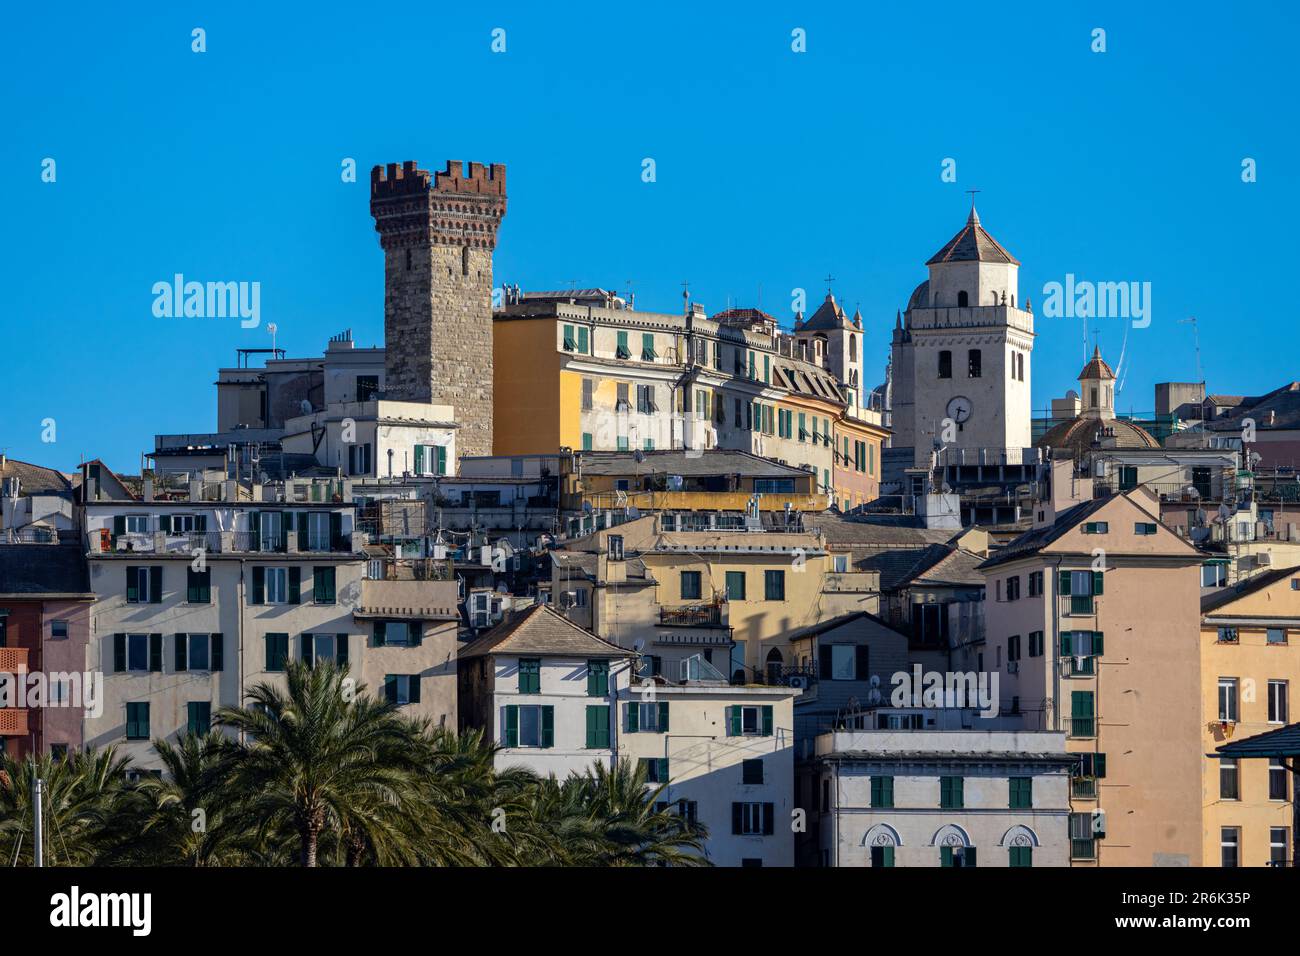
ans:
x=438 y=231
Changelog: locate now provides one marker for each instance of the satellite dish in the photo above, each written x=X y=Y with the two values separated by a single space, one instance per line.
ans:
x=1071 y=394
x=639 y=455
x=305 y=406
x=638 y=644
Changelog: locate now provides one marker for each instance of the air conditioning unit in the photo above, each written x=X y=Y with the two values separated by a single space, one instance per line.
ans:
x=797 y=681
x=1264 y=559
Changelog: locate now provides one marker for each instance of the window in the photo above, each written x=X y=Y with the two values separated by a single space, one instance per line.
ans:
x=751 y=772
x=1228 y=635
x=530 y=675
x=645 y=399
x=198 y=586
x=136 y=524
x=1082 y=647
x=137 y=721
x=588 y=394
x=1035 y=583
x=1081 y=587
x=1277 y=775
x=1277 y=837
x=597 y=727
x=615 y=547
x=974 y=364
x=58 y=630
x=1229 y=779
x=882 y=792
x=622 y=351
x=1035 y=643
x=277 y=651
x=945 y=364
x=597 y=678
x=1276 y=635
x=1214 y=575
x=755 y=819
x=882 y=856
x=586 y=441
x=1144 y=528
x=1083 y=843
x=1021 y=793
x=735 y=585
x=774 y=585
x=324 y=648
x=1096 y=527
x=530 y=725
x=649 y=717
x=583 y=340
x=322 y=580
x=1277 y=701
x=690 y=585
x=749 y=721
x=1083 y=722
x=402 y=689
x=656 y=769
x=367 y=386
x=192 y=652
x=1228 y=699
x=1128 y=477
x=1013 y=588
x=199 y=714
x=648 y=347
x=1085 y=774
x=957 y=856
x=1013 y=648
x=136 y=652
x=1229 y=844
x=1020 y=856
x=277 y=585
x=144 y=585
x=400 y=633
x=570 y=342
x=843 y=660
x=951 y=793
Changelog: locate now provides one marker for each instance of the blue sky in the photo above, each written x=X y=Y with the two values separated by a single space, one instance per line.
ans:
x=773 y=170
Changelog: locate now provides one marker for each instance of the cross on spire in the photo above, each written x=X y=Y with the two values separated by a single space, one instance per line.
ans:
x=829 y=279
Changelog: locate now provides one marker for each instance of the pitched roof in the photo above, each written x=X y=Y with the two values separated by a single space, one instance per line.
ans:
x=1096 y=367
x=36 y=479
x=712 y=462
x=1283 y=742
x=1280 y=408
x=1241 y=589
x=542 y=631
x=1036 y=539
x=973 y=244
x=828 y=316
x=830 y=624
x=43 y=569
x=955 y=566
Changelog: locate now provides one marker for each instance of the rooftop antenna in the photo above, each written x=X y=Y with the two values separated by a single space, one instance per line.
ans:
x=1196 y=338
x=272 y=328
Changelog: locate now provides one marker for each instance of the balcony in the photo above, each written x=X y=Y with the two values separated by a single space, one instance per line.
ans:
x=1077 y=605
x=13 y=659
x=13 y=722
x=1079 y=666
x=851 y=582
x=696 y=615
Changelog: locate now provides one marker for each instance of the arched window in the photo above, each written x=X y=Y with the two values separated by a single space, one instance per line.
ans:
x=962 y=299
x=853 y=348
x=775 y=664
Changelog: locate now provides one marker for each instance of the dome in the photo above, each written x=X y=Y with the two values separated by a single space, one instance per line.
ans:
x=920 y=297
x=1077 y=435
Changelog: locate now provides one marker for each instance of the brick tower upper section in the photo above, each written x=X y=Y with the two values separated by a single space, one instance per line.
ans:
x=438 y=231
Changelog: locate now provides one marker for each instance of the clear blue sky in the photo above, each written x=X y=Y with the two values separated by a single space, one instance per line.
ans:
x=773 y=168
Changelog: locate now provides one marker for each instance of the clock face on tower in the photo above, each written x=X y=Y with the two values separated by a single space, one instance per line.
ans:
x=959 y=409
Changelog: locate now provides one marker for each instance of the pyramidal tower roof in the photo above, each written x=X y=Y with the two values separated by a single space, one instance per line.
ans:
x=973 y=244
x=1096 y=367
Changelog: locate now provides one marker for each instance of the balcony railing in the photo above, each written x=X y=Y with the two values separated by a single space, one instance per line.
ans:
x=1079 y=666
x=1077 y=604
x=13 y=659
x=33 y=535
x=699 y=615
x=1083 y=726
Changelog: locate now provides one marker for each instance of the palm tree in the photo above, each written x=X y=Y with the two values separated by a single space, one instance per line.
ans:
x=187 y=820
x=322 y=758
x=89 y=807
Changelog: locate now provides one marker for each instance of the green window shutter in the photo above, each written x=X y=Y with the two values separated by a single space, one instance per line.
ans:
x=661 y=769
x=155 y=585
x=1096 y=582
x=259 y=585
x=1099 y=762
x=337 y=543
x=734 y=721
x=119 y=524
x=217 y=657
x=440 y=465
x=295 y=585
x=1098 y=643
x=663 y=716
x=132 y=586
x=1022 y=856
x=597 y=678
x=119 y=653
x=767 y=720
x=377 y=637
x=1063 y=582
x=945 y=856
x=419 y=459
x=191 y=586
x=270 y=653
x=633 y=717
x=155 y=653
x=1066 y=643
x=182 y=652
x=548 y=726
x=582 y=339
x=887 y=856
x=591 y=726
x=303 y=539
x=341 y=650
x=416 y=633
